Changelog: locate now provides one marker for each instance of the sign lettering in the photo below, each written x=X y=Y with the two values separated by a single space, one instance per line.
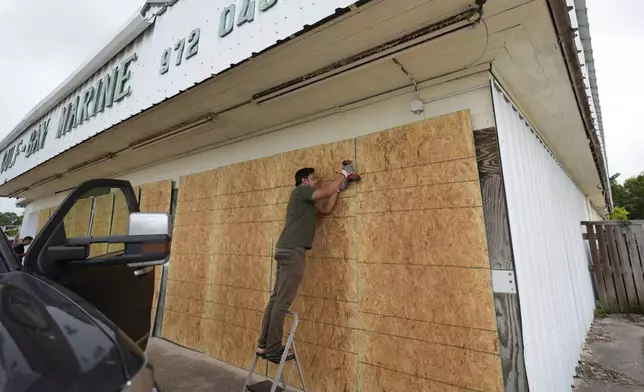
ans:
x=179 y=47
x=111 y=88
x=246 y=14
x=36 y=142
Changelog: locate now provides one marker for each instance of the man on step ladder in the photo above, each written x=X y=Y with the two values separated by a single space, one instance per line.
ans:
x=306 y=201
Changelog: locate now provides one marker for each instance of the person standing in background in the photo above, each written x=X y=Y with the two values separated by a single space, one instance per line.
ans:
x=22 y=247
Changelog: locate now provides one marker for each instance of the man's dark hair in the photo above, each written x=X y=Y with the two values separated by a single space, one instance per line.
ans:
x=28 y=238
x=302 y=174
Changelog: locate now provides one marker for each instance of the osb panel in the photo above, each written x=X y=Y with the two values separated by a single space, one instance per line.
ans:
x=451 y=365
x=119 y=219
x=187 y=290
x=246 y=318
x=325 y=335
x=156 y=194
x=250 y=239
x=279 y=170
x=189 y=268
x=251 y=272
x=101 y=224
x=450 y=237
x=377 y=379
x=461 y=170
x=334 y=238
x=454 y=296
x=238 y=297
x=455 y=195
x=237 y=344
x=156 y=208
x=328 y=311
x=43 y=217
x=77 y=218
x=443 y=138
x=190 y=306
x=473 y=339
x=191 y=240
x=182 y=328
x=329 y=278
x=229 y=219
x=325 y=370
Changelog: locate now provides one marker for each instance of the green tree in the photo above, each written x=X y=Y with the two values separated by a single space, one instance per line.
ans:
x=630 y=196
x=619 y=213
x=10 y=219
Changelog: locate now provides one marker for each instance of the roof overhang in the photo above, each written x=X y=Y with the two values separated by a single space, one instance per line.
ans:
x=344 y=59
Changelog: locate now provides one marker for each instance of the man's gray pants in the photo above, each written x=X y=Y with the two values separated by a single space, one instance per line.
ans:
x=290 y=271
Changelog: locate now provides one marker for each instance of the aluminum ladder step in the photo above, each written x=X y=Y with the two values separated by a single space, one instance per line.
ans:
x=264 y=386
x=273 y=385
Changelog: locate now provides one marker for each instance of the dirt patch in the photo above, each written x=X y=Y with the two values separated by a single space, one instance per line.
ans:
x=634 y=318
x=595 y=371
x=597 y=334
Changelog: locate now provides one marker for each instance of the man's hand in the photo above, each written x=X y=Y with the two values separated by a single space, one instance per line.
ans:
x=347 y=168
x=333 y=187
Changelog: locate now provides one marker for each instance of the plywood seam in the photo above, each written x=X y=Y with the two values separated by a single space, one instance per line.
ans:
x=431 y=322
x=430 y=342
x=429 y=265
x=474 y=206
x=421 y=377
x=464 y=158
x=418 y=186
x=356 y=242
x=216 y=284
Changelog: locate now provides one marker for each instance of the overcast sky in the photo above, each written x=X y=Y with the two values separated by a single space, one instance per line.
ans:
x=45 y=40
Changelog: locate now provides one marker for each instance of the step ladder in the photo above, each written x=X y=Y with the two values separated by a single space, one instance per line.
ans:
x=272 y=386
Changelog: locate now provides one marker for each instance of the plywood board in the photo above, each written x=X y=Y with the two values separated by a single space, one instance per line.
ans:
x=447 y=335
x=449 y=237
x=400 y=264
x=330 y=278
x=378 y=379
x=447 y=295
x=443 y=138
x=102 y=222
x=119 y=219
x=77 y=218
x=449 y=365
x=43 y=217
x=454 y=195
x=156 y=197
x=460 y=170
x=326 y=369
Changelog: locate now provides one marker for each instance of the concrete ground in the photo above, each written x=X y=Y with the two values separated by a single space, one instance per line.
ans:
x=178 y=369
x=613 y=358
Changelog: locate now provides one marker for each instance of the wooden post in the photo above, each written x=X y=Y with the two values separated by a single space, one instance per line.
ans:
x=497 y=227
x=596 y=267
x=607 y=269
x=617 y=269
x=627 y=271
x=636 y=266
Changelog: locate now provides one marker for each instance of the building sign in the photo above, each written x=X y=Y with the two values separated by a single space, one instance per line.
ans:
x=37 y=137
x=191 y=42
x=112 y=88
x=109 y=89
x=246 y=14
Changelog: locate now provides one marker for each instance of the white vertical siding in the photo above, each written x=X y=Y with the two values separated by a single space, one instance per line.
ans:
x=545 y=209
x=29 y=224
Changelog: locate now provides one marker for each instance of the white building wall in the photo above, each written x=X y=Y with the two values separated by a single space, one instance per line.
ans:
x=545 y=209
